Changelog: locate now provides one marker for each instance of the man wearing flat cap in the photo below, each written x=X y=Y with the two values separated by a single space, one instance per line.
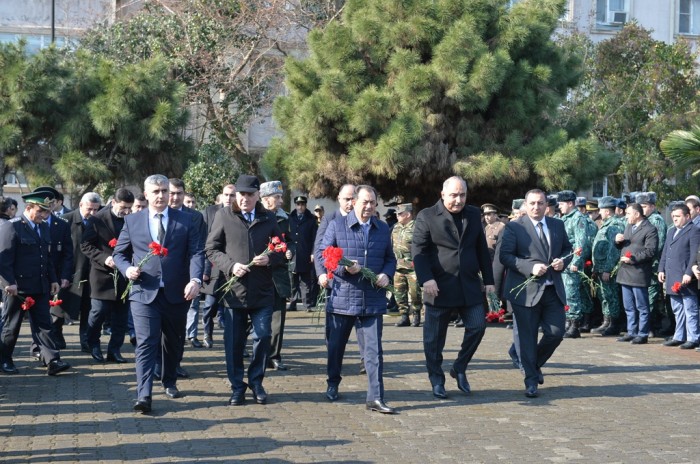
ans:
x=492 y=227
x=29 y=279
x=319 y=211
x=302 y=234
x=408 y=293
x=235 y=245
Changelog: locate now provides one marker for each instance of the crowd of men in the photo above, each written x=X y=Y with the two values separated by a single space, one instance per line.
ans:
x=150 y=266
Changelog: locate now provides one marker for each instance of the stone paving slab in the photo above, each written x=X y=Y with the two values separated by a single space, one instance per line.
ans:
x=602 y=401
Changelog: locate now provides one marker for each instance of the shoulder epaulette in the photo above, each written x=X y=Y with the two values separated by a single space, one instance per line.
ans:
x=15 y=219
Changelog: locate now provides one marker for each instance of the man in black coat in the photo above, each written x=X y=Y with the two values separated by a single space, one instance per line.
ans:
x=449 y=251
x=99 y=238
x=76 y=298
x=302 y=231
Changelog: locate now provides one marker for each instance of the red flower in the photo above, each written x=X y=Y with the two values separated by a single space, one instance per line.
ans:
x=28 y=303
x=588 y=263
x=676 y=287
x=628 y=254
x=566 y=308
x=331 y=259
x=578 y=251
x=113 y=242
x=55 y=301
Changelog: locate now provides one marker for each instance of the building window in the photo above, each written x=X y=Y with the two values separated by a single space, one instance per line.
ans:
x=689 y=17
x=611 y=12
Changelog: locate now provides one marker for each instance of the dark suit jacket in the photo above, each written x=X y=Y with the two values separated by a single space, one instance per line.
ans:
x=641 y=244
x=72 y=295
x=453 y=260
x=521 y=249
x=101 y=229
x=678 y=256
x=325 y=220
x=185 y=260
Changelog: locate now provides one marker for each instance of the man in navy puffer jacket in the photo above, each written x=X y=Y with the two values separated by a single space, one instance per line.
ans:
x=354 y=300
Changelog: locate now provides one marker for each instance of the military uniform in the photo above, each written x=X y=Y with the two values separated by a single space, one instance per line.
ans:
x=493 y=231
x=408 y=294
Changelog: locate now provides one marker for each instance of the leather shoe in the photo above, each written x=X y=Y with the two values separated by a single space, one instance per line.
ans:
x=182 y=373
x=639 y=340
x=380 y=406
x=531 y=391
x=172 y=392
x=625 y=338
x=208 y=342
x=194 y=343
x=277 y=365
x=57 y=366
x=8 y=367
x=462 y=382
x=116 y=357
x=36 y=355
x=689 y=345
x=673 y=342
x=96 y=353
x=439 y=392
x=143 y=405
x=237 y=398
x=332 y=393
x=259 y=394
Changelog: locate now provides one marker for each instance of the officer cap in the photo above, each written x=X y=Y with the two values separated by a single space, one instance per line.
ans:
x=581 y=201
x=607 y=202
x=46 y=188
x=390 y=212
x=517 y=203
x=566 y=195
x=300 y=199
x=271 y=188
x=646 y=197
x=551 y=200
x=404 y=208
x=318 y=208
x=592 y=205
x=488 y=208
x=43 y=199
x=247 y=184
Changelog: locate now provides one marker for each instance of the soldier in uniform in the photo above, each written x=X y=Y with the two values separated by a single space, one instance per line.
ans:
x=605 y=257
x=621 y=207
x=552 y=209
x=580 y=230
x=657 y=307
x=593 y=211
x=516 y=209
x=493 y=227
x=28 y=275
x=581 y=204
x=408 y=293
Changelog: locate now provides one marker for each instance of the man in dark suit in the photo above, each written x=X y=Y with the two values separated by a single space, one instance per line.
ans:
x=449 y=251
x=302 y=234
x=535 y=245
x=638 y=246
x=676 y=271
x=26 y=274
x=98 y=243
x=163 y=286
x=76 y=298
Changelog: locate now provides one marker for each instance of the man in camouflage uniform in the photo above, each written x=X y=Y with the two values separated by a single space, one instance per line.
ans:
x=580 y=230
x=408 y=294
x=492 y=227
x=657 y=308
x=605 y=257
x=581 y=205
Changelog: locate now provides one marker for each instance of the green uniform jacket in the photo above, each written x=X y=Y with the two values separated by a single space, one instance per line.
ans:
x=581 y=231
x=401 y=239
x=605 y=254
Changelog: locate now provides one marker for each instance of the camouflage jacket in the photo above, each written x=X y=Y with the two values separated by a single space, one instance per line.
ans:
x=658 y=221
x=605 y=254
x=581 y=231
x=401 y=239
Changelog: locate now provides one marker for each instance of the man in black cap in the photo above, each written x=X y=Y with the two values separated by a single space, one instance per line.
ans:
x=302 y=230
x=28 y=279
x=235 y=245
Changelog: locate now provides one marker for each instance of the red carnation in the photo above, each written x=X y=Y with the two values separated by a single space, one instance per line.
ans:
x=113 y=242
x=566 y=308
x=588 y=263
x=676 y=287
x=628 y=254
x=28 y=303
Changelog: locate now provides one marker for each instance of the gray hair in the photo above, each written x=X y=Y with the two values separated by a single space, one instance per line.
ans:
x=454 y=179
x=156 y=179
x=91 y=197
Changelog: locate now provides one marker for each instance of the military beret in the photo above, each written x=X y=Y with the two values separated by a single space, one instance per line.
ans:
x=592 y=205
x=488 y=208
x=581 y=201
x=271 y=188
x=518 y=203
x=390 y=212
x=566 y=195
x=42 y=199
x=607 y=202
x=646 y=197
x=300 y=199
x=551 y=200
x=404 y=208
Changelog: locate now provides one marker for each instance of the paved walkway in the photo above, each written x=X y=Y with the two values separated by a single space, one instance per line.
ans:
x=602 y=401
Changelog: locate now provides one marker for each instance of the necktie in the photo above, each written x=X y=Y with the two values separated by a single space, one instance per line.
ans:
x=543 y=238
x=161 y=229
x=249 y=217
x=36 y=229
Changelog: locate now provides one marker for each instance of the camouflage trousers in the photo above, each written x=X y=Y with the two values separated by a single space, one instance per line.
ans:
x=609 y=294
x=407 y=292
x=578 y=296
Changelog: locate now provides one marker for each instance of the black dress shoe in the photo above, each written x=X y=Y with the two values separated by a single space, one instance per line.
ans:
x=380 y=406
x=689 y=345
x=194 y=343
x=57 y=366
x=625 y=338
x=639 y=340
x=172 y=392
x=462 y=382
x=531 y=391
x=97 y=354
x=237 y=398
x=439 y=392
x=116 y=357
x=143 y=405
x=208 y=342
x=259 y=394
x=673 y=342
x=36 y=355
x=277 y=365
x=8 y=367
x=182 y=373
x=332 y=393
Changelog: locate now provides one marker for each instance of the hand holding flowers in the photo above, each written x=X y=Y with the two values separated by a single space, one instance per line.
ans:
x=156 y=250
x=540 y=269
x=276 y=245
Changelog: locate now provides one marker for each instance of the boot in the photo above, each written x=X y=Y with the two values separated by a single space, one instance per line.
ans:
x=404 y=322
x=614 y=329
x=573 y=331
x=416 y=319
x=586 y=326
x=603 y=326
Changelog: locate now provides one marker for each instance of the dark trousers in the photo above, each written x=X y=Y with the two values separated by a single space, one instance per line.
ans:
x=304 y=288
x=85 y=301
x=159 y=325
x=39 y=321
x=210 y=308
x=119 y=311
x=369 y=329
x=549 y=314
x=235 y=335
x=279 y=315
x=437 y=319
